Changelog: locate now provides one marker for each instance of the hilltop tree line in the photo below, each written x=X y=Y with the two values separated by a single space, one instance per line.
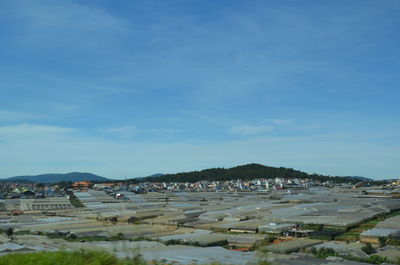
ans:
x=245 y=172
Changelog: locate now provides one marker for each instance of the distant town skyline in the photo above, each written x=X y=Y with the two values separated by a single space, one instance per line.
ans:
x=133 y=88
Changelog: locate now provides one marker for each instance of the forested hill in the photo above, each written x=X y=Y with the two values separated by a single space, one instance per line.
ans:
x=245 y=172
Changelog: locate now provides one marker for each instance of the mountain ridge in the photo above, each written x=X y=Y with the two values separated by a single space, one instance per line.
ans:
x=56 y=177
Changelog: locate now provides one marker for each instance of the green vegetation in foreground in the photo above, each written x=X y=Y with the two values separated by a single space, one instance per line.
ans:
x=75 y=201
x=68 y=258
x=79 y=258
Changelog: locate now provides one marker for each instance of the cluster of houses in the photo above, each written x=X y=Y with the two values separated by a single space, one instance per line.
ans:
x=255 y=185
x=34 y=190
x=29 y=191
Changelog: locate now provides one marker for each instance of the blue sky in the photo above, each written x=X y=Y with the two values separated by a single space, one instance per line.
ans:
x=132 y=88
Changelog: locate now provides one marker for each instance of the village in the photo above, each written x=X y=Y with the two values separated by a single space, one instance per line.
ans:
x=293 y=220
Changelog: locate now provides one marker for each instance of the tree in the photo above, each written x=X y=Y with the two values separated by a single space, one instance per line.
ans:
x=323 y=253
x=382 y=241
x=119 y=236
x=64 y=184
x=10 y=232
x=40 y=186
x=72 y=236
x=368 y=249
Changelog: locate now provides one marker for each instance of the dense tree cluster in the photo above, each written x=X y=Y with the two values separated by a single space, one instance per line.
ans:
x=245 y=172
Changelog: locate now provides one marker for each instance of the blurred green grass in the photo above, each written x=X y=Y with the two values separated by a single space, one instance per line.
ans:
x=68 y=258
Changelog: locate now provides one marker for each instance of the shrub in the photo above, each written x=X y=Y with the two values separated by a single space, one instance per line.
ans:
x=382 y=241
x=323 y=253
x=9 y=232
x=368 y=249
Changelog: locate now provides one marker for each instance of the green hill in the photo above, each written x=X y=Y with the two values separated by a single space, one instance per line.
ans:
x=244 y=172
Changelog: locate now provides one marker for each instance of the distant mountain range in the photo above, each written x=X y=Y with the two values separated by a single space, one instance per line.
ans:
x=245 y=172
x=54 y=178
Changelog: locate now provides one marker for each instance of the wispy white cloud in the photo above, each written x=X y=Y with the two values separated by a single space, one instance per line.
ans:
x=75 y=60
x=123 y=132
x=277 y=121
x=28 y=131
x=35 y=148
x=85 y=85
x=55 y=23
x=266 y=125
x=127 y=132
x=16 y=116
x=247 y=129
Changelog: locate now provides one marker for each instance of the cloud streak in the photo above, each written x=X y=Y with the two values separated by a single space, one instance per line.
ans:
x=65 y=22
x=35 y=148
x=32 y=130
x=247 y=129
x=16 y=116
x=170 y=85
